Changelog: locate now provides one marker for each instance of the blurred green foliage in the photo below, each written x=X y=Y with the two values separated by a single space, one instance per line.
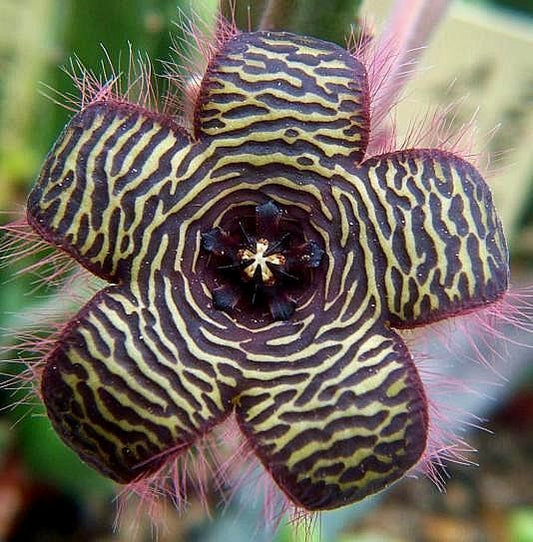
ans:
x=521 y=525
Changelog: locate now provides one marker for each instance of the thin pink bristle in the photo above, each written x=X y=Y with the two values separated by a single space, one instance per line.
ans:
x=193 y=55
x=189 y=471
x=404 y=37
x=486 y=333
x=134 y=84
x=445 y=446
x=392 y=60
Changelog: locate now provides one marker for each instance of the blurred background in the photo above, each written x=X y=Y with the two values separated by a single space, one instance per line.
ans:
x=481 y=56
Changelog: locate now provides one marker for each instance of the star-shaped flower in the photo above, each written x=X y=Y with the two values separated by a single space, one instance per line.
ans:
x=259 y=266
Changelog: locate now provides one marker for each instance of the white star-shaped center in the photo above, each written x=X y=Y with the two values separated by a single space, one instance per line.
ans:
x=258 y=262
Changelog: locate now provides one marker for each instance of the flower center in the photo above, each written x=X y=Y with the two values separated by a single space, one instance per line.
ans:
x=259 y=263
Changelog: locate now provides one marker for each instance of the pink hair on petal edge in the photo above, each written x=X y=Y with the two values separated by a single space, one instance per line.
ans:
x=392 y=59
x=131 y=81
x=50 y=266
x=220 y=467
x=480 y=339
x=36 y=328
x=194 y=52
x=21 y=244
x=190 y=475
x=253 y=484
x=445 y=445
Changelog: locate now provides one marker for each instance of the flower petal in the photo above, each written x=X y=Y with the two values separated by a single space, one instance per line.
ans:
x=121 y=390
x=443 y=248
x=286 y=89
x=345 y=431
x=101 y=180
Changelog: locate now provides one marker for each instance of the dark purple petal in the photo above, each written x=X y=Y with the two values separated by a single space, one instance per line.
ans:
x=345 y=429
x=92 y=187
x=442 y=246
x=280 y=87
x=121 y=393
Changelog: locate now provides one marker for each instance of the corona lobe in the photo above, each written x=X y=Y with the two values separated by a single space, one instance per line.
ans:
x=259 y=267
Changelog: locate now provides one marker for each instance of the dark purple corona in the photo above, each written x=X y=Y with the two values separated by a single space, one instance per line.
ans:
x=261 y=262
